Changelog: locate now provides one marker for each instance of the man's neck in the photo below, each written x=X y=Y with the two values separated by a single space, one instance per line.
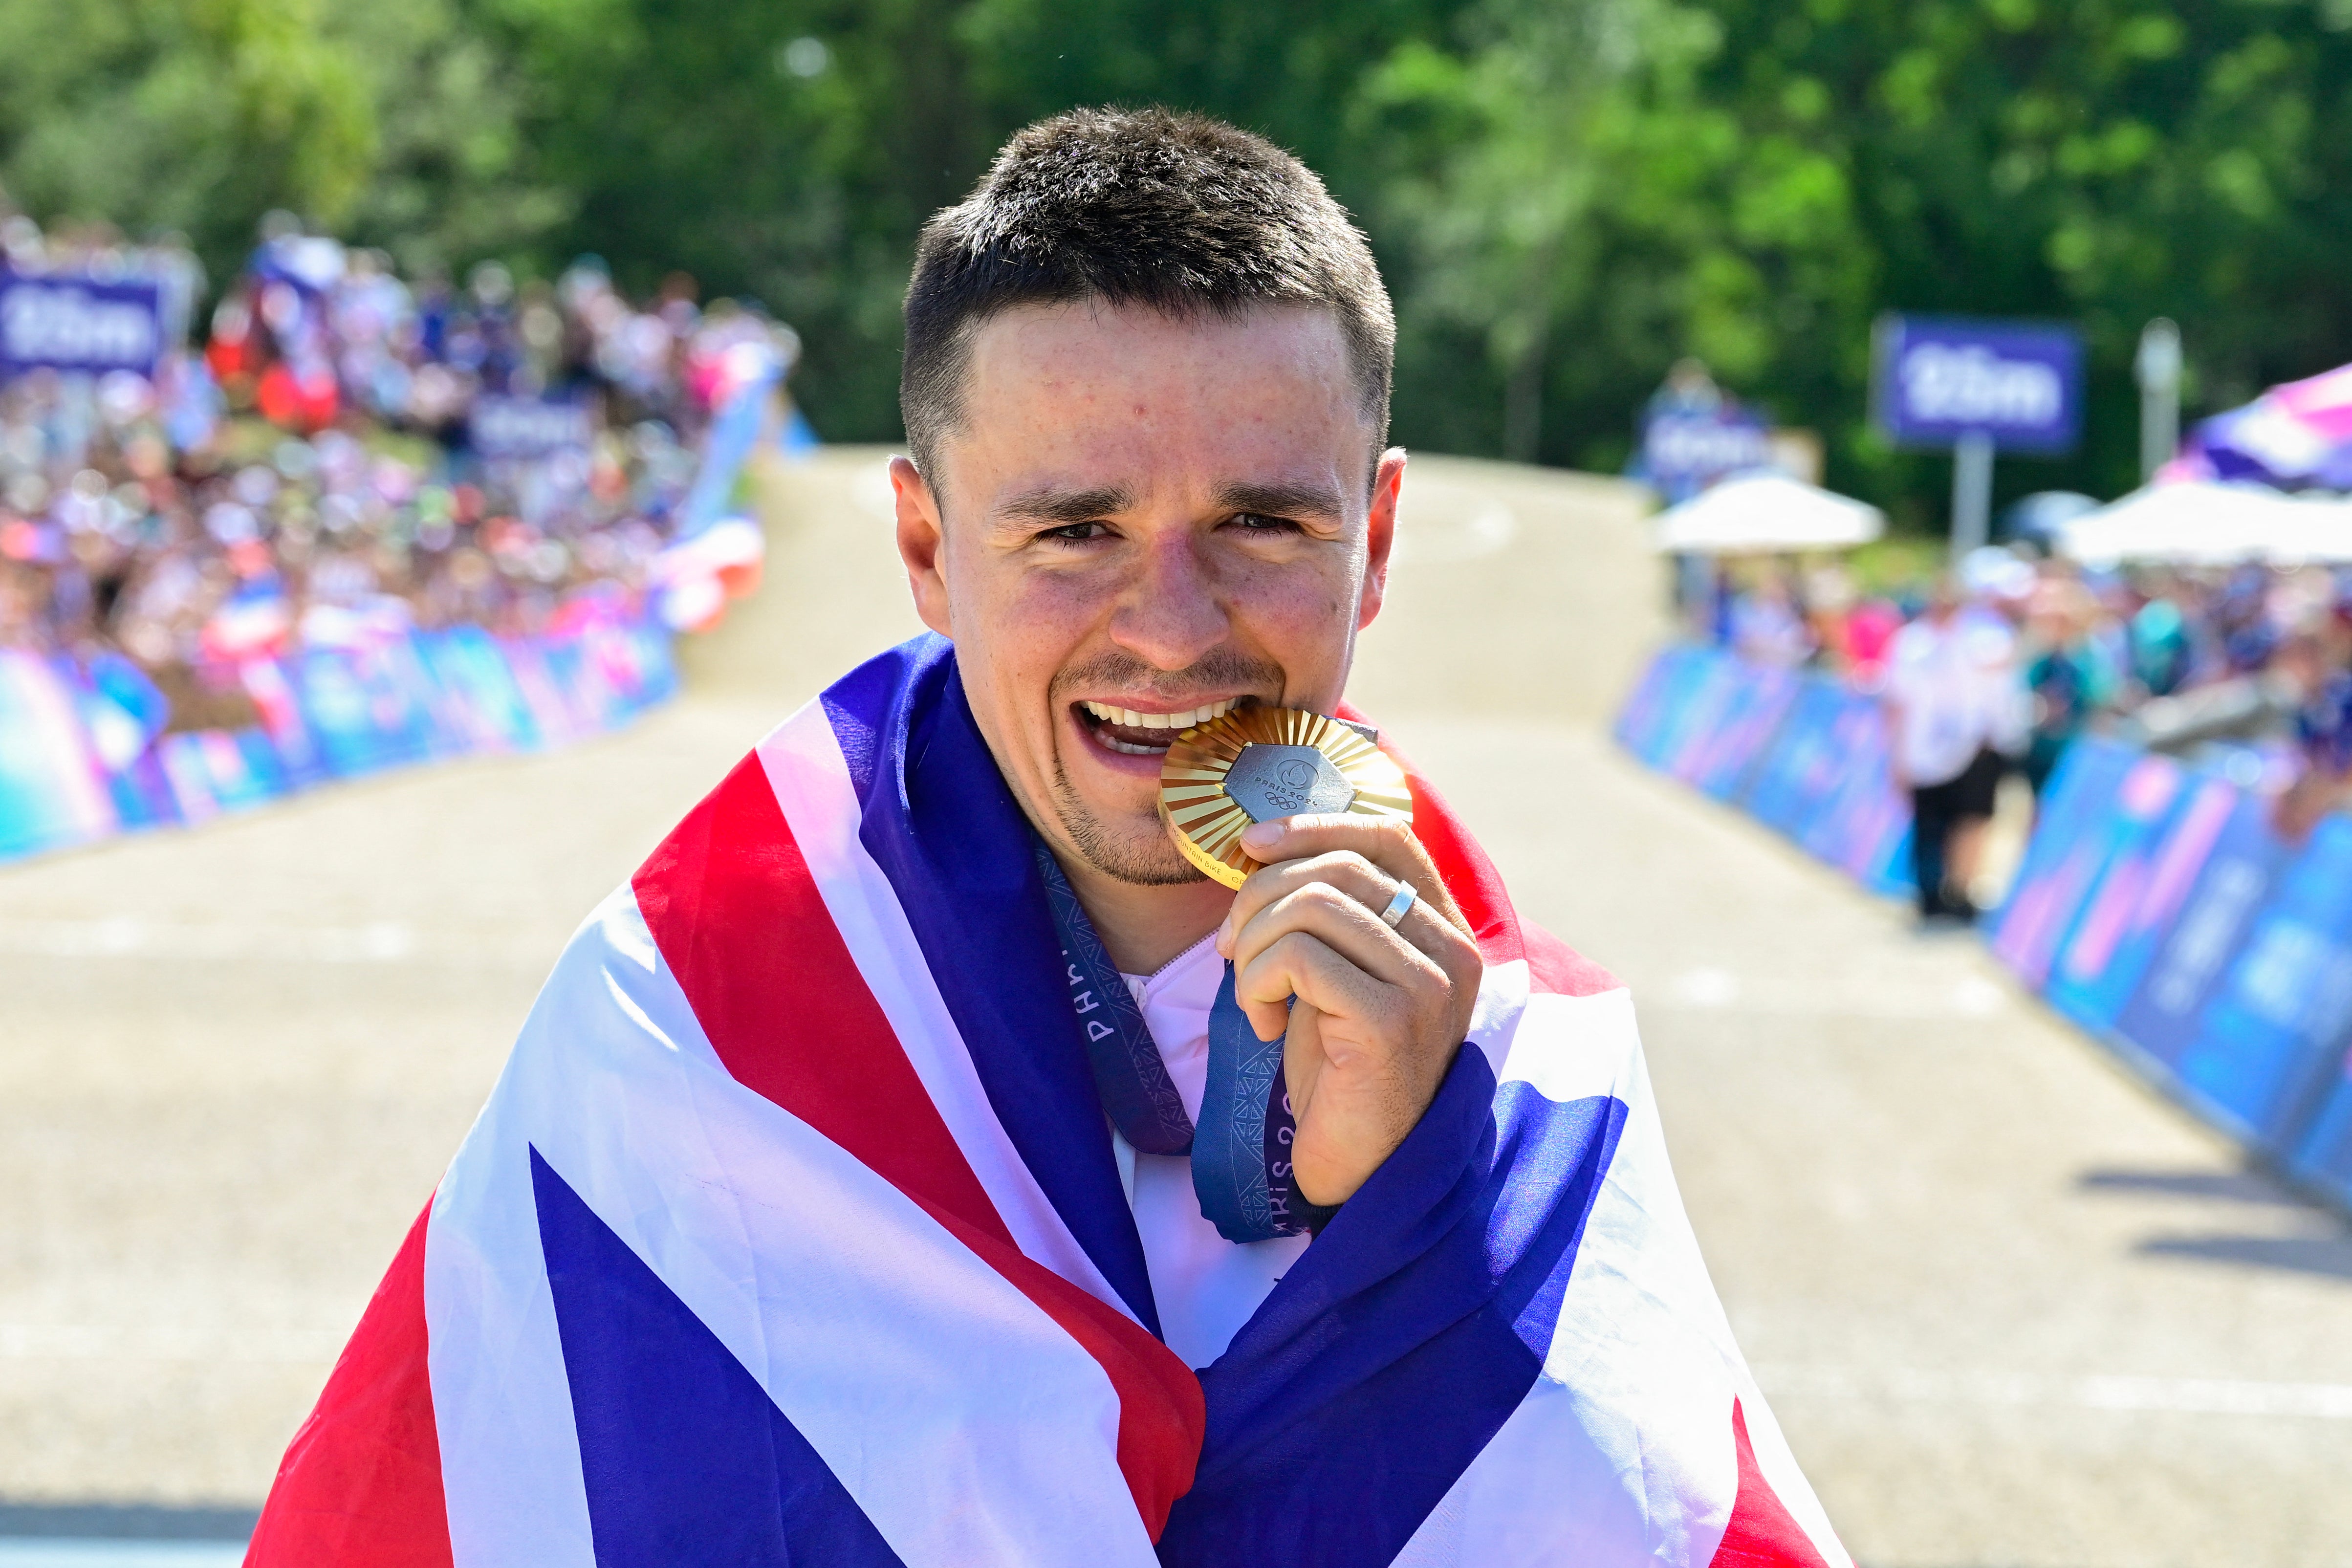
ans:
x=1144 y=927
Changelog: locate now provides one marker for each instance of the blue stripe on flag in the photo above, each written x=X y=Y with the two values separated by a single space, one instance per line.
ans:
x=1379 y=1369
x=686 y=1459
x=956 y=849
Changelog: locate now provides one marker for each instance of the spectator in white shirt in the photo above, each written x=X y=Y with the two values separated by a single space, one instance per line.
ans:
x=1951 y=708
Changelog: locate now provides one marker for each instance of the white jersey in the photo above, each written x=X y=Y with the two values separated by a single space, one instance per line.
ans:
x=1204 y=1286
x=1956 y=686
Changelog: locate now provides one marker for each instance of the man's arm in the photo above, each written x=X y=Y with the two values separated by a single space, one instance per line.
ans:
x=1378 y=1013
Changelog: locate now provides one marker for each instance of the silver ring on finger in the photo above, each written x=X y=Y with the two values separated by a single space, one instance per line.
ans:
x=1399 y=906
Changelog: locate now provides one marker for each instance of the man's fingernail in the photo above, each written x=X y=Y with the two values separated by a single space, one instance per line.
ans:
x=1263 y=835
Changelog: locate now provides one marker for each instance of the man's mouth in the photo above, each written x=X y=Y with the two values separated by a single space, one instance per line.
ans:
x=1136 y=734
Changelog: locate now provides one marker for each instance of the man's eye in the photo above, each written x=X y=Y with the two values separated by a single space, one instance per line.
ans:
x=1076 y=532
x=1259 y=522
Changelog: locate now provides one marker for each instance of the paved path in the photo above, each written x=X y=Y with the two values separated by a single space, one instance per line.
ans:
x=2011 y=1309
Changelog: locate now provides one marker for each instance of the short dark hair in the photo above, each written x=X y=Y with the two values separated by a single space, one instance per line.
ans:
x=1178 y=212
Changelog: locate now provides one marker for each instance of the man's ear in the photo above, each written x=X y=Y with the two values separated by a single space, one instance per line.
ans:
x=1379 y=534
x=922 y=543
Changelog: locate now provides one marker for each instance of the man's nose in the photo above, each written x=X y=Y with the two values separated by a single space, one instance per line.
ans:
x=1171 y=615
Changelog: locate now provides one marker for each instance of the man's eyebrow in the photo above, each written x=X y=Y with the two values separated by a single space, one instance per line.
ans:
x=1277 y=499
x=1055 y=508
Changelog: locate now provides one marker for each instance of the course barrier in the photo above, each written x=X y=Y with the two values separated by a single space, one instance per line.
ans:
x=79 y=759
x=2155 y=906
x=83 y=749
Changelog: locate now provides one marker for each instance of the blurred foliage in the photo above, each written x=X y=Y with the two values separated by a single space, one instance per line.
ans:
x=390 y=124
x=1567 y=194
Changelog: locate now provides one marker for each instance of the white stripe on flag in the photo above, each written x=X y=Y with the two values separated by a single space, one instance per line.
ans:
x=804 y=765
x=883 y=1339
x=1622 y=1450
x=501 y=1403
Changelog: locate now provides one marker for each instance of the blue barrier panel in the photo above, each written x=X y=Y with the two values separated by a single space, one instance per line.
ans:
x=2270 y=1040
x=469 y=661
x=124 y=711
x=2129 y=918
x=1707 y=707
x=657 y=664
x=2149 y=846
x=550 y=705
x=1645 y=709
x=726 y=445
x=1753 y=710
x=2230 y=888
x=142 y=794
x=183 y=761
x=2322 y=1154
x=337 y=709
x=1659 y=741
x=1799 y=767
x=366 y=708
x=798 y=436
x=2061 y=860
x=271 y=684
x=1861 y=825
x=221 y=770
x=262 y=765
x=585 y=693
x=52 y=789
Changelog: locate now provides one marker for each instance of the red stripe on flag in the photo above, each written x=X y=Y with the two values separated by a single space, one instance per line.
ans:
x=1761 y=1534
x=1477 y=887
x=361 y=1484
x=732 y=904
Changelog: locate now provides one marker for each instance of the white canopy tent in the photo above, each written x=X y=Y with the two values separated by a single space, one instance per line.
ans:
x=1764 y=514
x=2200 y=524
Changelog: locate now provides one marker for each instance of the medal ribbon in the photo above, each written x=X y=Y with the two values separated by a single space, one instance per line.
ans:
x=1130 y=1075
x=1241 y=1152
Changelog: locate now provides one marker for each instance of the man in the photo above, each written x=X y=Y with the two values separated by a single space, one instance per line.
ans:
x=1951 y=706
x=845 y=1199
x=2069 y=676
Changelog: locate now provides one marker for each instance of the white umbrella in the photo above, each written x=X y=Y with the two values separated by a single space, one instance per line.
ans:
x=2200 y=524
x=1765 y=513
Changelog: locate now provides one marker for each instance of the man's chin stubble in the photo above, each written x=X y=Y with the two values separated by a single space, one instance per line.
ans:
x=1121 y=861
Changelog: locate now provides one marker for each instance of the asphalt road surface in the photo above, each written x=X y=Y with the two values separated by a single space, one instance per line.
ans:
x=2010 y=1309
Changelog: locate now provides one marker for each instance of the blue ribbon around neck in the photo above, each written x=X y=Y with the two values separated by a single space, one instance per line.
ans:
x=1241 y=1151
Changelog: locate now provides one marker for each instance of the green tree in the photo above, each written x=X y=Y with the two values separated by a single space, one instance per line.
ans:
x=1754 y=181
x=389 y=123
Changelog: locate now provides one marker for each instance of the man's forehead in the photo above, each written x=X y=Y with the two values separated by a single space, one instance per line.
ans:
x=1088 y=397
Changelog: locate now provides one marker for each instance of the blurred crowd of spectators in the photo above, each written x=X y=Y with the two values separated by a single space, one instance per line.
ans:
x=313 y=471
x=2000 y=667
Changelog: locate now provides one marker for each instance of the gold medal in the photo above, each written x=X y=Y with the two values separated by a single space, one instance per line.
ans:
x=1256 y=765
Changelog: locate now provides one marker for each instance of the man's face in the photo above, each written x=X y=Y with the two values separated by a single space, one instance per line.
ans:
x=1145 y=519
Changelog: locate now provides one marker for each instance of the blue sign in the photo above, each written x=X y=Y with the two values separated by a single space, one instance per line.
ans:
x=1684 y=450
x=1935 y=379
x=70 y=321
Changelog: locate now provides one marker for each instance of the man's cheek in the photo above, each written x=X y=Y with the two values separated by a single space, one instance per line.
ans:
x=1304 y=620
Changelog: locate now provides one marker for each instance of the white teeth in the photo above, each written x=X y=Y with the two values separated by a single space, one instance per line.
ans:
x=1135 y=721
